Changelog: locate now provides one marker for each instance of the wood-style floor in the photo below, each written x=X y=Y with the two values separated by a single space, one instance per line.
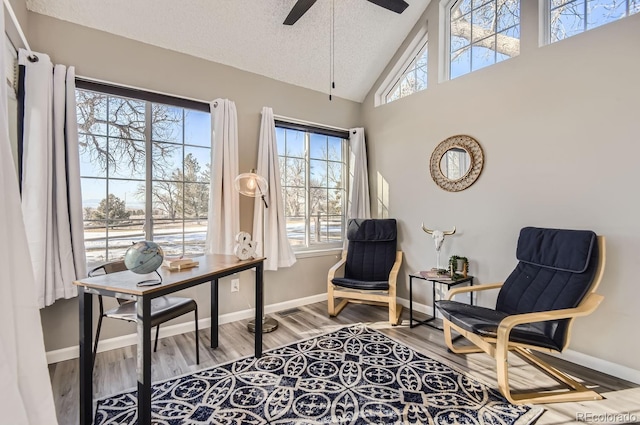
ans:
x=114 y=371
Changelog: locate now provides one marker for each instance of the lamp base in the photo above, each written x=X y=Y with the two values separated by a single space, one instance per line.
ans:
x=268 y=325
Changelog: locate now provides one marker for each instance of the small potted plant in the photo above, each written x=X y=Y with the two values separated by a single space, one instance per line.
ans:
x=458 y=266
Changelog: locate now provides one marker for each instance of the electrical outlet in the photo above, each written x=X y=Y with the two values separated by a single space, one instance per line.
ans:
x=235 y=285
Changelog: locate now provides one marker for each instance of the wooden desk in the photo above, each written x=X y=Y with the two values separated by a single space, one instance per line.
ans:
x=123 y=285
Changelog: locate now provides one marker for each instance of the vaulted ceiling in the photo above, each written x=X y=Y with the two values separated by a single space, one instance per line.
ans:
x=250 y=35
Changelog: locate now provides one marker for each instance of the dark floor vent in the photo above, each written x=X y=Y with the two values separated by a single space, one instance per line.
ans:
x=289 y=312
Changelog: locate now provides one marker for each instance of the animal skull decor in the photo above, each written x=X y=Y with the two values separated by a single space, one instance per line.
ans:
x=438 y=238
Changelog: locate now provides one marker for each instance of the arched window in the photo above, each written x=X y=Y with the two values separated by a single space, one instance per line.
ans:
x=409 y=75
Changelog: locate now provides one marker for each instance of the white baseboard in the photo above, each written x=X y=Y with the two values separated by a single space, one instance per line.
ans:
x=73 y=352
x=419 y=307
x=604 y=366
x=55 y=356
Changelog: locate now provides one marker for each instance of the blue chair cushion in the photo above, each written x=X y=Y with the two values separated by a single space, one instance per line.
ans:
x=556 y=270
x=382 y=285
x=372 y=250
x=563 y=250
x=372 y=230
x=484 y=322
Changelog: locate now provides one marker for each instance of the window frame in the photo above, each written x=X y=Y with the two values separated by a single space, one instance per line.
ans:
x=419 y=41
x=148 y=178
x=11 y=63
x=545 y=21
x=308 y=129
x=446 y=6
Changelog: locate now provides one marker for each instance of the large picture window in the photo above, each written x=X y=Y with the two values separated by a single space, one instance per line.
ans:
x=314 y=172
x=145 y=170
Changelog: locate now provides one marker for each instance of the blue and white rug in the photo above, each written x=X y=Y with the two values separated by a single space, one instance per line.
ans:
x=351 y=376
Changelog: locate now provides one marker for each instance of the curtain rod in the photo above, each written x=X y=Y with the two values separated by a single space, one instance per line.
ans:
x=16 y=24
x=96 y=80
x=310 y=123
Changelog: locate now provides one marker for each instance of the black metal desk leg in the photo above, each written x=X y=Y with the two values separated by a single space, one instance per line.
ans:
x=85 y=302
x=259 y=309
x=214 y=313
x=410 y=301
x=433 y=300
x=143 y=357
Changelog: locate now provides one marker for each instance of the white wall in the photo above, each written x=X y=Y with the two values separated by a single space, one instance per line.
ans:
x=559 y=126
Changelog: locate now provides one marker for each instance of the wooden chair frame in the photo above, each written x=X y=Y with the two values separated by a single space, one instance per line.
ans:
x=499 y=347
x=372 y=297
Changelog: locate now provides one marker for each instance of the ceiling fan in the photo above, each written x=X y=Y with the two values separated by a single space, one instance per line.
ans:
x=301 y=7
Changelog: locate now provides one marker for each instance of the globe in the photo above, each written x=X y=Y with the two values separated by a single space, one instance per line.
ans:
x=143 y=257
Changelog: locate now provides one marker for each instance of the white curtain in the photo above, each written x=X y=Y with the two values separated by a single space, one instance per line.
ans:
x=359 y=203
x=25 y=393
x=223 y=219
x=273 y=243
x=51 y=195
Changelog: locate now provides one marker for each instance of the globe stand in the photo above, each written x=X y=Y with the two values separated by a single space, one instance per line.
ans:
x=268 y=325
x=151 y=282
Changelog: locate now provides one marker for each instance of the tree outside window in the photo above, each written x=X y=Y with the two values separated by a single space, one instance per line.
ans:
x=312 y=170
x=414 y=77
x=482 y=33
x=145 y=170
x=570 y=17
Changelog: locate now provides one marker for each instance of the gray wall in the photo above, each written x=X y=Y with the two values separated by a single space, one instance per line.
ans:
x=559 y=129
x=119 y=60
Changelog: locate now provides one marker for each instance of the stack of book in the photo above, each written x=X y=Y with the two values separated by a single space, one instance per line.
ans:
x=436 y=274
x=177 y=264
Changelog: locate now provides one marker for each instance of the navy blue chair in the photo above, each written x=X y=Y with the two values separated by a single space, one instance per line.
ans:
x=369 y=268
x=553 y=283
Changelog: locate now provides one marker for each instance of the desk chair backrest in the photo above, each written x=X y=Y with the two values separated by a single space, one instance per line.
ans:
x=372 y=249
x=556 y=270
x=112 y=267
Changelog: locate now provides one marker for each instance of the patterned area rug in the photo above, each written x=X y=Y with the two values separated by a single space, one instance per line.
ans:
x=351 y=376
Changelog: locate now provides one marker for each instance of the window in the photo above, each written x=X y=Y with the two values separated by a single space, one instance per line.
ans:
x=145 y=170
x=409 y=75
x=571 y=17
x=313 y=170
x=413 y=79
x=481 y=33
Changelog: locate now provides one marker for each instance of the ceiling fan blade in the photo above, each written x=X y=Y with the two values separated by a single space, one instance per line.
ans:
x=397 y=6
x=299 y=9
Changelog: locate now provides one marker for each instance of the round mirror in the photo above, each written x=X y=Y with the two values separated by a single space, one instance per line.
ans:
x=456 y=163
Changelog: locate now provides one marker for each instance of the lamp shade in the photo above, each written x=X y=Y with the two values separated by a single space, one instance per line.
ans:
x=251 y=184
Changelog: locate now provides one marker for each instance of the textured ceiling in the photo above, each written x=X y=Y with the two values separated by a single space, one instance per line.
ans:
x=249 y=35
